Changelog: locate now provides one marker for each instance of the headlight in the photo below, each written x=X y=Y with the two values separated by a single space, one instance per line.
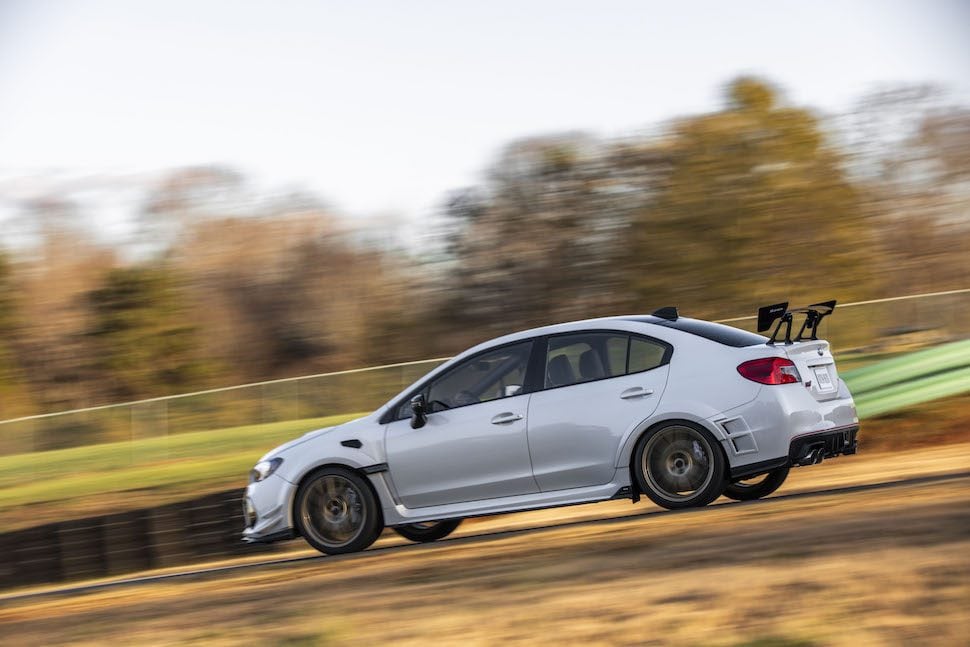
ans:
x=263 y=469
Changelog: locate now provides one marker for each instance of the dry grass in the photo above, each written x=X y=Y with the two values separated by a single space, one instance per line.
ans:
x=871 y=567
x=932 y=423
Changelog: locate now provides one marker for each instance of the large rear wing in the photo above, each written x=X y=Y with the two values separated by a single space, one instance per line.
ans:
x=783 y=315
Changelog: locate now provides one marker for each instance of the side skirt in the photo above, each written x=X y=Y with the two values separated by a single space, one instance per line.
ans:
x=398 y=515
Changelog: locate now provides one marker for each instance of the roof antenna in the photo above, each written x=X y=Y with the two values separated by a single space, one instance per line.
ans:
x=667 y=312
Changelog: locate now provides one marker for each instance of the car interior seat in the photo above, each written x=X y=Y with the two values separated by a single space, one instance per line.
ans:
x=591 y=366
x=559 y=372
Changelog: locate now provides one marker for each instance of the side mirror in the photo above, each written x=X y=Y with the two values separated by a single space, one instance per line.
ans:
x=419 y=411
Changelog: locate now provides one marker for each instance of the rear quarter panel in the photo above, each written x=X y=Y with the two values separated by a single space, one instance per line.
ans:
x=703 y=382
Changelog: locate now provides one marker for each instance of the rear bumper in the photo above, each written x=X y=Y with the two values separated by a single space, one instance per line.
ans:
x=784 y=423
x=824 y=444
x=807 y=449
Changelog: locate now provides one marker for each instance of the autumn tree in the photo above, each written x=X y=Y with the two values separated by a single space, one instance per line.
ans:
x=12 y=398
x=755 y=207
x=52 y=353
x=910 y=160
x=144 y=339
x=542 y=240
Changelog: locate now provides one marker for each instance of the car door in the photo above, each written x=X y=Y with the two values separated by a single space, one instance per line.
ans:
x=474 y=445
x=597 y=386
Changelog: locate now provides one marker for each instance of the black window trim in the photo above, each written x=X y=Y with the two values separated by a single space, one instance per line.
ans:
x=391 y=416
x=544 y=345
x=708 y=330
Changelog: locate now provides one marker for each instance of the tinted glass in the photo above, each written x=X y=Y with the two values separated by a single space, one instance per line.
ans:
x=645 y=355
x=727 y=335
x=489 y=376
x=616 y=354
x=583 y=357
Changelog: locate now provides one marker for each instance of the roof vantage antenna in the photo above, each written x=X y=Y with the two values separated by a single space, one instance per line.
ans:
x=667 y=312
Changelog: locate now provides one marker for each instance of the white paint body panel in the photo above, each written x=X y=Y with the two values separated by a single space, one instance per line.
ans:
x=572 y=444
x=575 y=431
x=460 y=455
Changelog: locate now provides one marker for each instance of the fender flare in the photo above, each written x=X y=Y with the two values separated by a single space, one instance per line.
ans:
x=629 y=443
x=366 y=472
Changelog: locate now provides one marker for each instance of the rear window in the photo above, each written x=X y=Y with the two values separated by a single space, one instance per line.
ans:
x=727 y=335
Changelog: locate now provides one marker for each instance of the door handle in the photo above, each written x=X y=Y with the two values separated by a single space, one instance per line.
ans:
x=636 y=392
x=503 y=418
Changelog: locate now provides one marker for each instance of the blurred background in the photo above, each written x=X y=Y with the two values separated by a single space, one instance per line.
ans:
x=198 y=196
x=195 y=196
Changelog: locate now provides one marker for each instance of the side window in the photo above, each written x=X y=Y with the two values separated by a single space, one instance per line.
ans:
x=616 y=354
x=645 y=355
x=496 y=374
x=403 y=411
x=584 y=357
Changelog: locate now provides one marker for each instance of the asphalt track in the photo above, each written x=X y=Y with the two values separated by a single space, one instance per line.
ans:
x=280 y=563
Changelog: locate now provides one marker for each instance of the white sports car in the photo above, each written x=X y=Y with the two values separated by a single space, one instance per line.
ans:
x=678 y=409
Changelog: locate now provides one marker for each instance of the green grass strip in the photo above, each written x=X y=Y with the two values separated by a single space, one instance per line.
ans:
x=148 y=463
x=913 y=392
x=908 y=367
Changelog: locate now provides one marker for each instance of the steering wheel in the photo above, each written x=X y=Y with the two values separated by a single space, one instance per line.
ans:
x=431 y=404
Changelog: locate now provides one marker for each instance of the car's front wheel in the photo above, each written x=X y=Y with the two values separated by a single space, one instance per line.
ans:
x=757 y=487
x=428 y=531
x=679 y=465
x=337 y=512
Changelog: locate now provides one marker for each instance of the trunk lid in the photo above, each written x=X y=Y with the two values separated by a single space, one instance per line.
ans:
x=816 y=366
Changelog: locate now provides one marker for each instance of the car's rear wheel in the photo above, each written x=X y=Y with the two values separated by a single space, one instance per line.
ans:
x=428 y=531
x=337 y=512
x=679 y=465
x=757 y=487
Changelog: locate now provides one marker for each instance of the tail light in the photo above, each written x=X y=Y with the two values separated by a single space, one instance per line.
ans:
x=770 y=370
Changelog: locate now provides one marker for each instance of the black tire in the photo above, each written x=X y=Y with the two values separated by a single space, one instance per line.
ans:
x=430 y=531
x=757 y=487
x=679 y=465
x=337 y=512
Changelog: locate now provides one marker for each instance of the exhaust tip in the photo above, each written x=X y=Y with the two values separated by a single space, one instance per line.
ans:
x=811 y=456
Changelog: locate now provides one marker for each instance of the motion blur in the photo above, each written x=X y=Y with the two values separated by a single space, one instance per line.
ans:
x=167 y=318
x=757 y=202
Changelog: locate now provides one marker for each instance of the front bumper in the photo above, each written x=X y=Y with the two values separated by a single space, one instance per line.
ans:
x=266 y=510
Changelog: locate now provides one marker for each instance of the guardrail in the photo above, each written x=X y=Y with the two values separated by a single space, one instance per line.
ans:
x=179 y=533
x=857 y=329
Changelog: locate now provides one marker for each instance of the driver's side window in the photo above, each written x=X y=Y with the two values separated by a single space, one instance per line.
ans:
x=496 y=374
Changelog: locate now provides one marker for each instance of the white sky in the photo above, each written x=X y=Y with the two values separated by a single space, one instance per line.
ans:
x=385 y=106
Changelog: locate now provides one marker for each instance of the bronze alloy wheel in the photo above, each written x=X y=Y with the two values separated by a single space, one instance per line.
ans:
x=680 y=466
x=337 y=512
